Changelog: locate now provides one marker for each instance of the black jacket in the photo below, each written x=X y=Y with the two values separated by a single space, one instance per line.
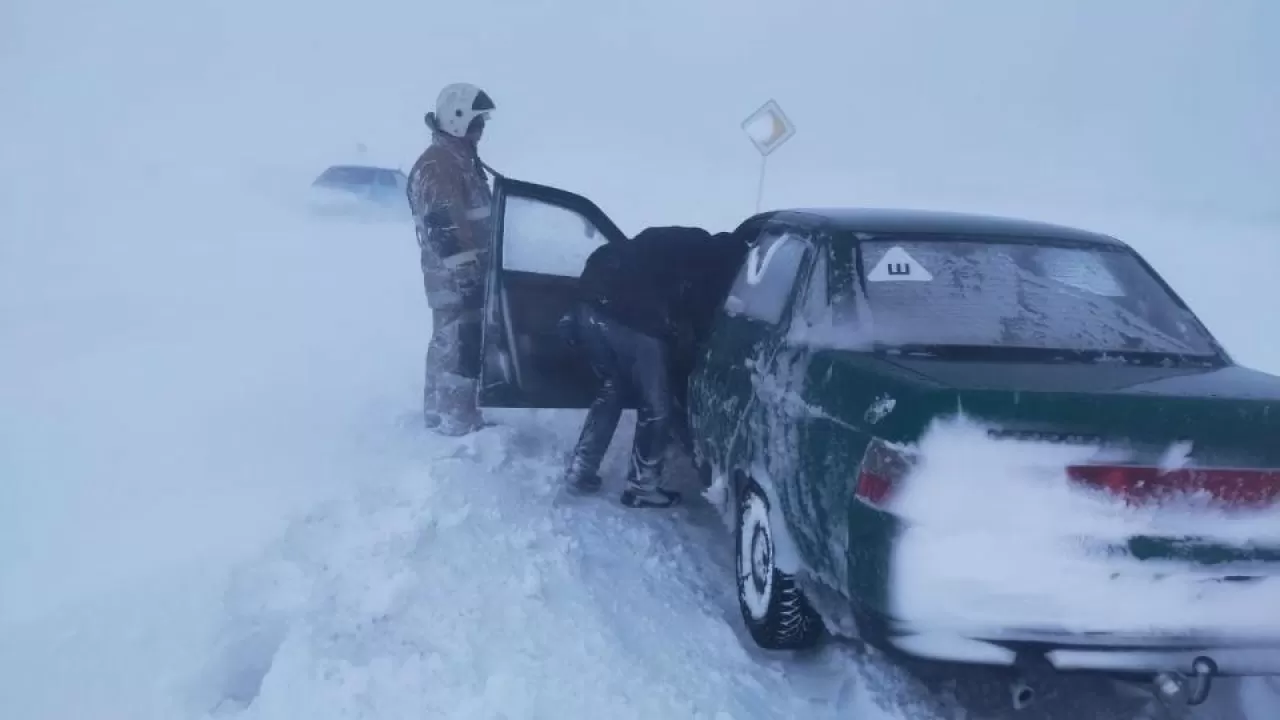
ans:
x=665 y=281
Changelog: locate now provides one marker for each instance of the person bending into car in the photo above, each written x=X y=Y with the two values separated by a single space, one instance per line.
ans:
x=449 y=196
x=641 y=303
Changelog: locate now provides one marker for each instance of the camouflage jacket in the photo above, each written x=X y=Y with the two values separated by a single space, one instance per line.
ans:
x=450 y=198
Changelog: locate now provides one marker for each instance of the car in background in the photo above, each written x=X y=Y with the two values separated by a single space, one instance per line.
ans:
x=360 y=191
x=846 y=336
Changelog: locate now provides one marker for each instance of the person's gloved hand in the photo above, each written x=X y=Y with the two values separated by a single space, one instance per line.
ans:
x=567 y=329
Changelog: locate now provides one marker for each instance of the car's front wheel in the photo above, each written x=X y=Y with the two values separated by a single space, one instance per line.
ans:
x=777 y=614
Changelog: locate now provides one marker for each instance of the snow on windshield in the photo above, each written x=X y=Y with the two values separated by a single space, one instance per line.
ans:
x=1017 y=294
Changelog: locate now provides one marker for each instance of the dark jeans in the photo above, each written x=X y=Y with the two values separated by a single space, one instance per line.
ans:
x=628 y=364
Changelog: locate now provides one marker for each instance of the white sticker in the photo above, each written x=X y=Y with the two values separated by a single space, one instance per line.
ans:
x=898 y=266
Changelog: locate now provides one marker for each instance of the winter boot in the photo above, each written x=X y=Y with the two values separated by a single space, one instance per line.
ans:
x=583 y=483
x=451 y=409
x=645 y=493
x=654 y=497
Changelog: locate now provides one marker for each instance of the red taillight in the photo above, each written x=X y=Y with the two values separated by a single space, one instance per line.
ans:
x=1140 y=485
x=883 y=467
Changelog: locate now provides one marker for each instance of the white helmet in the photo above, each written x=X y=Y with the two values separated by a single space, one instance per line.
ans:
x=459 y=104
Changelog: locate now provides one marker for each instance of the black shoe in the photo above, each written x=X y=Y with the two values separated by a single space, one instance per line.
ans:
x=655 y=498
x=583 y=484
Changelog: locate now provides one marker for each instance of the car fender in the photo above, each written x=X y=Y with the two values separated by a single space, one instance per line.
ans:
x=831 y=603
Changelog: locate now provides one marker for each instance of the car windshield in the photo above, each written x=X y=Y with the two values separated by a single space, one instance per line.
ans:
x=996 y=293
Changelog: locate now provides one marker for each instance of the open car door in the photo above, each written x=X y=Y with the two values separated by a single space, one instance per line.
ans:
x=542 y=238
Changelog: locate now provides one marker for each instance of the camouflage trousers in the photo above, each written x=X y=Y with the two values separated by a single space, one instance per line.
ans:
x=452 y=371
x=454 y=287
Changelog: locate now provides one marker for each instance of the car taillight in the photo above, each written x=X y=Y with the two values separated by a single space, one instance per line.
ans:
x=1143 y=484
x=883 y=468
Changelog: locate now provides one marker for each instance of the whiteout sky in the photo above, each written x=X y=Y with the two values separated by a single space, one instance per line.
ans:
x=188 y=366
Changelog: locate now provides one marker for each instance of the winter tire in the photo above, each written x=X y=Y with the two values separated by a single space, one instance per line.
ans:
x=776 y=612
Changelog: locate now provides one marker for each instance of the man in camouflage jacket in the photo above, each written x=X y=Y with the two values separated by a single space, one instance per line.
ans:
x=450 y=198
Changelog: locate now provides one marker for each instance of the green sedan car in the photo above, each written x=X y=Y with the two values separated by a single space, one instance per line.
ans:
x=962 y=438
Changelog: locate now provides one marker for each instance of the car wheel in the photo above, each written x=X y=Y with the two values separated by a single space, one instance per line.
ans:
x=777 y=614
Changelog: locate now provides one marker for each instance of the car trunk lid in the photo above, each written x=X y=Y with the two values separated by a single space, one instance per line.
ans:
x=1229 y=417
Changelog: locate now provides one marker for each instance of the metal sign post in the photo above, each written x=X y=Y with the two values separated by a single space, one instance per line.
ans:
x=768 y=128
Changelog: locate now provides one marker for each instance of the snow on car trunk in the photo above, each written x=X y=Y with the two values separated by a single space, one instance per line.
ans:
x=997 y=536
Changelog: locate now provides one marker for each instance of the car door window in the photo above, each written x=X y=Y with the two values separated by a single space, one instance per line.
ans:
x=812 y=316
x=766 y=279
x=538 y=237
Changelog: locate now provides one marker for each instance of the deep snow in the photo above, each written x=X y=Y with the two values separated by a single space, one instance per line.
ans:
x=215 y=499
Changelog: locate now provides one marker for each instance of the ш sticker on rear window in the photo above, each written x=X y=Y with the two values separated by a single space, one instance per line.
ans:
x=898 y=266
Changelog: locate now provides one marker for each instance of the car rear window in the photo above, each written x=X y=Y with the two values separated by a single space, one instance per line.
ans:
x=347 y=176
x=993 y=292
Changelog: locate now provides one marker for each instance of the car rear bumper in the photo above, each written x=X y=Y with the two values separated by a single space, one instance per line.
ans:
x=1107 y=653
x=1083 y=608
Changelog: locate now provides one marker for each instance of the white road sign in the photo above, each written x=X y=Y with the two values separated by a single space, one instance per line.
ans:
x=768 y=127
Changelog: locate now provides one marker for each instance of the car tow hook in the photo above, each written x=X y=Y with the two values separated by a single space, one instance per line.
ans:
x=1193 y=689
x=1022 y=694
x=1026 y=667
